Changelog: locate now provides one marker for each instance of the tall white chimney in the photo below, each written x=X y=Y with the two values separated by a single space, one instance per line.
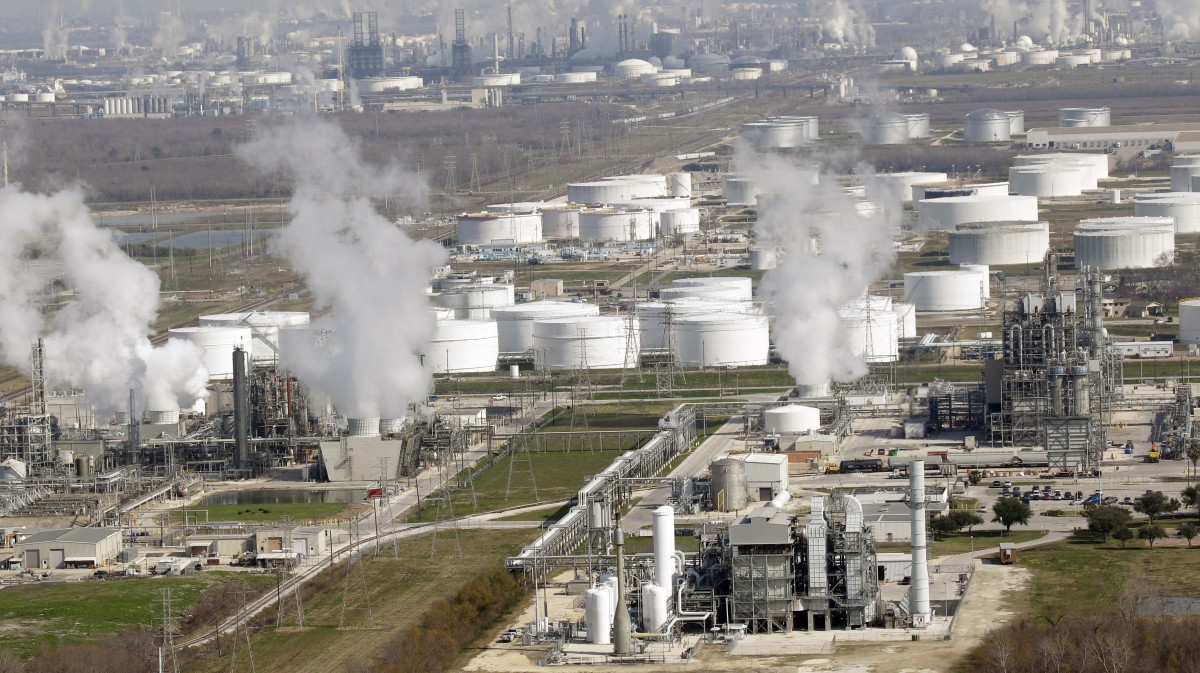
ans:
x=664 y=548
x=918 y=591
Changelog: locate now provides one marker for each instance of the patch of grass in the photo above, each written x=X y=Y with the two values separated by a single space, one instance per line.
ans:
x=543 y=514
x=298 y=511
x=980 y=539
x=33 y=616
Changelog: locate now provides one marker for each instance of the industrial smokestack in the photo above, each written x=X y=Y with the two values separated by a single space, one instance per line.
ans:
x=664 y=547
x=622 y=631
x=918 y=592
x=241 y=411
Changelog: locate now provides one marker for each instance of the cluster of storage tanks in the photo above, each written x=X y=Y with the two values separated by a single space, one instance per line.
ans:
x=1057 y=174
x=618 y=209
x=137 y=105
x=893 y=128
x=781 y=132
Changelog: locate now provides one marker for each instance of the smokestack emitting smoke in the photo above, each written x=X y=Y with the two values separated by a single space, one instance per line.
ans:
x=362 y=268
x=830 y=251
x=99 y=339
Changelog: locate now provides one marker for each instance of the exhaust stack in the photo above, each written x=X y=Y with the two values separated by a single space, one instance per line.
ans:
x=918 y=591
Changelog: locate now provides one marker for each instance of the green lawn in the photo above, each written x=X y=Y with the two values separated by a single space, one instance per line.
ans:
x=980 y=539
x=541 y=514
x=300 y=512
x=33 y=616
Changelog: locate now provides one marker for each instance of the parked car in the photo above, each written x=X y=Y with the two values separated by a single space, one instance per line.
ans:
x=997 y=484
x=1128 y=501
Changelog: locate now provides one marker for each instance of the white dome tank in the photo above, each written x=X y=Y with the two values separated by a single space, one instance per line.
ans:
x=265 y=327
x=1189 y=321
x=1077 y=117
x=871 y=334
x=653 y=316
x=1182 y=206
x=999 y=243
x=956 y=290
x=906 y=320
x=899 y=185
x=791 y=419
x=632 y=68
x=722 y=340
x=1124 y=242
x=486 y=228
x=514 y=324
x=738 y=190
x=561 y=222
x=218 y=344
x=946 y=214
x=592 y=342
x=739 y=287
x=985 y=277
x=612 y=224
x=886 y=128
x=475 y=302
x=461 y=346
x=1045 y=182
x=679 y=222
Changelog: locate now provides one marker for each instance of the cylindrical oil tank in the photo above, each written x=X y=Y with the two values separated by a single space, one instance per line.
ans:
x=1016 y=122
x=741 y=74
x=218 y=344
x=619 y=225
x=740 y=287
x=679 y=185
x=475 y=302
x=906 y=320
x=987 y=126
x=869 y=334
x=946 y=214
x=663 y=529
x=1073 y=60
x=927 y=191
x=264 y=325
x=738 y=190
x=943 y=290
x=617 y=189
x=999 y=243
x=561 y=222
x=575 y=77
x=1182 y=175
x=654 y=316
x=777 y=134
x=632 y=68
x=1189 y=321
x=1097 y=162
x=486 y=228
x=516 y=207
x=585 y=342
x=390 y=426
x=461 y=346
x=1044 y=57
x=514 y=324
x=598 y=614
x=811 y=391
x=162 y=416
x=654 y=602
x=899 y=185
x=1076 y=117
x=918 y=125
x=1124 y=242
x=1184 y=207
x=122 y=417
x=1045 y=182
x=791 y=419
x=708 y=292
x=886 y=128
x=83 y=466
x=679 y=222
x=985 y=277
x=1186 y=160
x=363 y=427
x=727 y=485
x=763 y=259
x=722 y=340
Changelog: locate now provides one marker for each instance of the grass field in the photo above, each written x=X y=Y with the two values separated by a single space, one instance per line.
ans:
x=300 y=512
x=33 y=616
x=397 y=591
x=543 y=514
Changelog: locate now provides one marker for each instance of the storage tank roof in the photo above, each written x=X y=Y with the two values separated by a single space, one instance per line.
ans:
x=630 y=62
x=987 y=114
x=889 y=117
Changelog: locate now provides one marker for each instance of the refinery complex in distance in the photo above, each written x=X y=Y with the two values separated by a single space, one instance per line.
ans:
x=735 y=335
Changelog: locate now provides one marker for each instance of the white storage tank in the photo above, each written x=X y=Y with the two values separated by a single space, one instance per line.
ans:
x=1044 y=57
x=1124 y=242
x=654 y=316
x=1045 y=182
x=591 y=342
x=918 y=125
x=1184 y=207
x=614 y=191
x=486 y=228
x=775 y=134
x=612 y=224
x=763 y=259
x=738 y=190
x=946 y=214
x=475 y=302
x=1182 y=176
x=679 y=222
x=679 y=185
x=561 y=222
x=218 y=344
x=514 y=324
x=1098 y=164
x=265 y=327
x=363 y=427
x=987 y=126
x=516 y=207
x=791 y=419
x=738 y=287
x=1073 y=60
x=598 y=615
x=722 y=340
x=999 y=243
x=899 y=185
x=956 y=290
x=162 y=416
x=462 y=346
x=871 y=334
x=1077 y=117
x=985 y=277
x=886 y=128
x=1189 y=321
x=1016 y=122
x=906 y=320
x=575 y=77
x=926 y=191
x=632 y=68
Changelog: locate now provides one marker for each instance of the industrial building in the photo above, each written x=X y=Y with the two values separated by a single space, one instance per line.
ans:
x=68 y=548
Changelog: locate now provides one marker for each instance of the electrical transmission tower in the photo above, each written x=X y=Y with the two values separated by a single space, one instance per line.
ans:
x=519 y=453
x=166 y=648
x=449 y=165
x=445 y=512
x=241 y=633
x=475 y=188
x=356 y=596
x=582 y=382
x=564 y=132
x=288 y=600
x=667 y=369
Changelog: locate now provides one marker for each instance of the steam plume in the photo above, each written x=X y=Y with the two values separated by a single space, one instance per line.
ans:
x=367 y=272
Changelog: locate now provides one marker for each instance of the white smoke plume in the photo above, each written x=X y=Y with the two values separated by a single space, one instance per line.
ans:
x=1180 y=19
x=1043 y=20
x=55 y=37
x=847 y=24
x=170 y=34
x=364 y=270
x=830 y=251
x=99 y=339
